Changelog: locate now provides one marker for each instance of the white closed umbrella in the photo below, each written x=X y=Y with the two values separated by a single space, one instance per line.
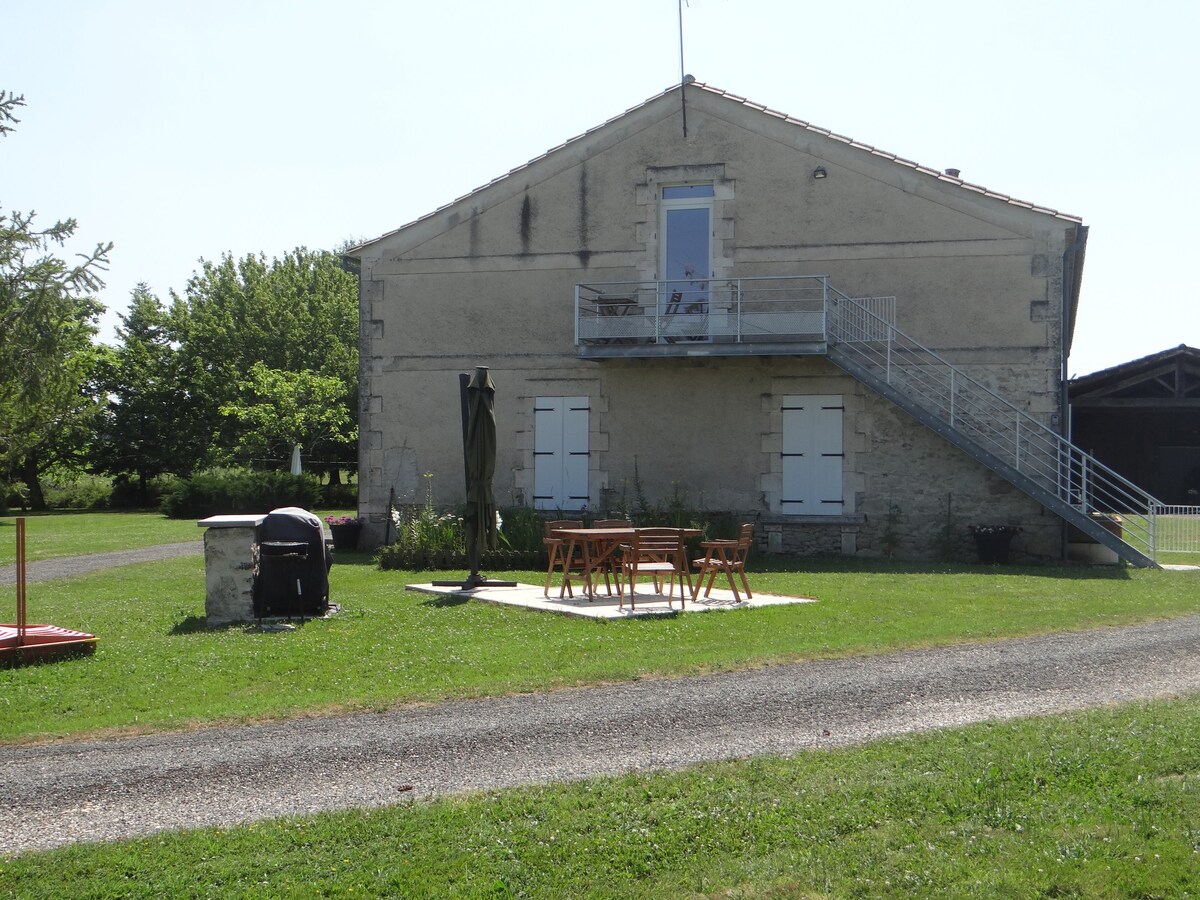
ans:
x=296 y=470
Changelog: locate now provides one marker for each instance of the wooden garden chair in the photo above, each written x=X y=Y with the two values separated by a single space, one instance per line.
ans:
x=611 y=564
x=557 y=548
x=728 y=557
x=661 y=553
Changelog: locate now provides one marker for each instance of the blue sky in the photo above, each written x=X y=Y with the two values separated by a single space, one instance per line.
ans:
x=185 y=130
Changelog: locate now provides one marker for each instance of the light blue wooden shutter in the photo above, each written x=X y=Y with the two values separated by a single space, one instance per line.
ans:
x=560 y=469
x=827 y=454
x=812 y=455
x=796 y=498
x=547 y=452
x=575 y=452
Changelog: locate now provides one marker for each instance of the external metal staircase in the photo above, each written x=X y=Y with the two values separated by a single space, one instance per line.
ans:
x=1013 y=444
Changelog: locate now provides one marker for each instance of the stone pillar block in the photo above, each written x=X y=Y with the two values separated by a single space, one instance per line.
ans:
x=230 y=561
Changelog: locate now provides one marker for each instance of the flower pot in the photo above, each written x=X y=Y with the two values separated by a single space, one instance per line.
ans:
x=345 y=535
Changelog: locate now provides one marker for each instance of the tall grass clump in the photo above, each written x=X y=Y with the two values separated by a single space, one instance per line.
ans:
x=522 y=529
x=429 y=537
x=425 y=536
x=427 y=529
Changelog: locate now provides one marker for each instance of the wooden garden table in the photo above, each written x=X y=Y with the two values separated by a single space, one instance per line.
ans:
x=596 y=546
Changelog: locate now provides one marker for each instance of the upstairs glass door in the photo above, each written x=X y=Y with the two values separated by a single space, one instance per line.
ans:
x=686 y=260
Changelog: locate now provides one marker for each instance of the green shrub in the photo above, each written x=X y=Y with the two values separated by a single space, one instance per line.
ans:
x=395 y=557
x=671 y=512
x=425 y=537
x=339 y=496
x=72 y=491
x=228 y=491
x=424 y=530
x=127 y=492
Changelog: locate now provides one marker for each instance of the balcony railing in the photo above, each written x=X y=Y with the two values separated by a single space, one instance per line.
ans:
x=622 y=317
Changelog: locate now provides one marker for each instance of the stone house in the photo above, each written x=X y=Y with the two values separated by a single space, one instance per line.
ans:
x=706 y=299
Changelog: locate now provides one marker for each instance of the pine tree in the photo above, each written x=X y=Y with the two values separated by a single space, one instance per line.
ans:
x=47 y=322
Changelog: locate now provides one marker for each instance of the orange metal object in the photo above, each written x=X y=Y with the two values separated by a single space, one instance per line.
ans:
x=23 y=642
x=21 y=580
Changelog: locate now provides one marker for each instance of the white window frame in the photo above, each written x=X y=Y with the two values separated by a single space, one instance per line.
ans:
x=664 y=204
x=686 y=314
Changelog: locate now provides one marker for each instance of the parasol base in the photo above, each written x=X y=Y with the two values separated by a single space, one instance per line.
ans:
x=474 y=581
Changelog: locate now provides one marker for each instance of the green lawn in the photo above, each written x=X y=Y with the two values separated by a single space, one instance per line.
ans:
x=158 y=667
x=1102 y=804
x=49 y=535
x=1180 y=533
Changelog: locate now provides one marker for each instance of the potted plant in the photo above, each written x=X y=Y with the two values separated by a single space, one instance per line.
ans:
x=345 y=531
x=993 y=542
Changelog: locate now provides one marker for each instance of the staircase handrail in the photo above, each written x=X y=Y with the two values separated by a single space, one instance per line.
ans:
x=1011 y=435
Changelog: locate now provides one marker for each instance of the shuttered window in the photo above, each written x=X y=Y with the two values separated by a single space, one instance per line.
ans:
x=560 y=456
x=812 y=455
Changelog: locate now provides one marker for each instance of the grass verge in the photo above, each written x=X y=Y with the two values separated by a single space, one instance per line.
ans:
x=1100 y=804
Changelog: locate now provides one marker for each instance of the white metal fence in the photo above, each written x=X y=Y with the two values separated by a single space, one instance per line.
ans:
x=1176 y=529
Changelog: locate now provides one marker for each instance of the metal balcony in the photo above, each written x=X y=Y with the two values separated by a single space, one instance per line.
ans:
x=793 y=315
x=761 y=316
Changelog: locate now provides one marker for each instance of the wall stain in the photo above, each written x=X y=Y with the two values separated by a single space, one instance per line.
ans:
x=526 y=224
x=583 y=253
x=473 y=234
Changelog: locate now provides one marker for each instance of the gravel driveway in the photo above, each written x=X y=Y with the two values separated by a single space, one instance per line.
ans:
x=70 y=566
x=66 y=792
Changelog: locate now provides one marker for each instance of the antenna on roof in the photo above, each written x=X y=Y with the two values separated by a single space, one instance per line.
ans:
x=683 y=79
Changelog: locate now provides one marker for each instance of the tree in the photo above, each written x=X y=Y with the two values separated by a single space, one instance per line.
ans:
x=47 y=322
x=140 y=430
x=242 y=326
x=288 y=409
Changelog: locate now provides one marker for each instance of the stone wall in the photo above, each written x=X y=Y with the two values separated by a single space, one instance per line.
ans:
x=490 y=280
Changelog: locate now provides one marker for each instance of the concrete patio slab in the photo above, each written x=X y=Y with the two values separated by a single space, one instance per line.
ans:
x=529 y=596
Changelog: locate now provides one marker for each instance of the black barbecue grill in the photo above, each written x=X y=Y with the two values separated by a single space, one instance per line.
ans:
x=293 y=565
